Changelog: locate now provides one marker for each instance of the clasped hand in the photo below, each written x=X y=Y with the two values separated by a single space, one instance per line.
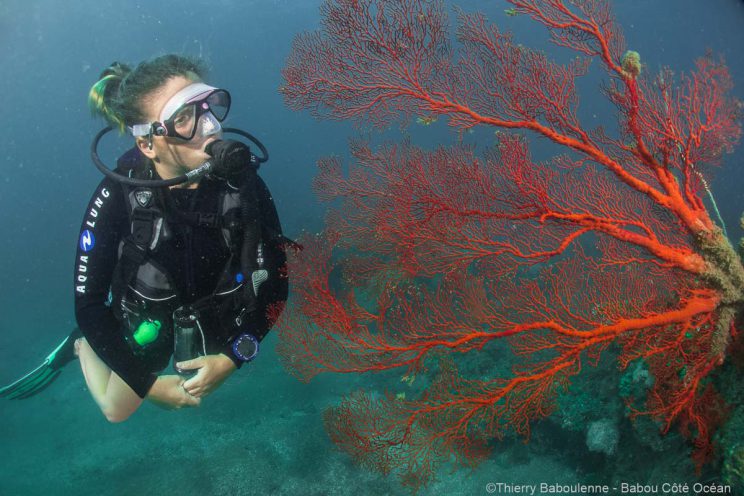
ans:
x=212 y=371
x=174 y=391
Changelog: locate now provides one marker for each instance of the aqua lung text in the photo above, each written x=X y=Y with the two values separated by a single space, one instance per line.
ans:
x=87 y=239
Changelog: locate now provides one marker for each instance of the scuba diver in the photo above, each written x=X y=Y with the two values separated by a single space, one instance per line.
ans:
x=180 y=253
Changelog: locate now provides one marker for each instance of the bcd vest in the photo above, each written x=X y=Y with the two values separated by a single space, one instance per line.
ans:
x=142 y=290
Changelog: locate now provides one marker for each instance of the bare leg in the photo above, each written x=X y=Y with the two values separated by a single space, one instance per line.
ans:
x=115 y=398
x=97 y=373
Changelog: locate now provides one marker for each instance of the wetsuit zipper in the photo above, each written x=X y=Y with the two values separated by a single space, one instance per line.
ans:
x=191 y=283
x=189 y=269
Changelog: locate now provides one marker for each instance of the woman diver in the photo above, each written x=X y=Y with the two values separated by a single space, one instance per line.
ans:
x=180 y=250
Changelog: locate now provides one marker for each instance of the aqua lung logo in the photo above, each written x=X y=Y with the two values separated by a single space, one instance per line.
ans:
x=88 y=239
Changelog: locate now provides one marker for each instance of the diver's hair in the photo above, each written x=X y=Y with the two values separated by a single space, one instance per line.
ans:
x=120 y=92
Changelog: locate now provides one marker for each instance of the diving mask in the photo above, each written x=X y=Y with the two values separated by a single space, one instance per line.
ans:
x=196 y=108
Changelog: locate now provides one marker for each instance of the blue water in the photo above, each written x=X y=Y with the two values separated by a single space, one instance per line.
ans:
x=262 y=432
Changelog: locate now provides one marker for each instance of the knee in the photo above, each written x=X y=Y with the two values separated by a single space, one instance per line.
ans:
x=115 y=415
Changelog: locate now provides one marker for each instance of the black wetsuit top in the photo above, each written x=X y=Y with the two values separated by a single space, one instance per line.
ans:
x=194 y=258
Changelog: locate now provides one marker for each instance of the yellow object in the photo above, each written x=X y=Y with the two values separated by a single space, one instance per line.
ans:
x=408 y=379
x=631 y=63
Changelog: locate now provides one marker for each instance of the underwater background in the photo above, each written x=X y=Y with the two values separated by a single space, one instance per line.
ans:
x=261 y=432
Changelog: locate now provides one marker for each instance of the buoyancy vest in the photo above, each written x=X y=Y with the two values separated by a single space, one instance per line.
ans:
x=142 y=290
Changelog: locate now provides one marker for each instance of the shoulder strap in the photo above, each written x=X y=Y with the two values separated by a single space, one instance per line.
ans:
x=145 y=219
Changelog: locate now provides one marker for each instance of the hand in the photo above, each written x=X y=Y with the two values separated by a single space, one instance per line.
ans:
x=168 y=392
x=213 y=370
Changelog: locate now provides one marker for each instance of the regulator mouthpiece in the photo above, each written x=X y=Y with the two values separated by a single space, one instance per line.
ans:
x=230 y=157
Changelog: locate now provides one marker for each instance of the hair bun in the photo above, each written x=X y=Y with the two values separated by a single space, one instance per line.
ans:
x=103 y=93
x=116 y=69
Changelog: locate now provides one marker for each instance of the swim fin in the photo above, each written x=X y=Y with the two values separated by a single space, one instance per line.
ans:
x=42 y=376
